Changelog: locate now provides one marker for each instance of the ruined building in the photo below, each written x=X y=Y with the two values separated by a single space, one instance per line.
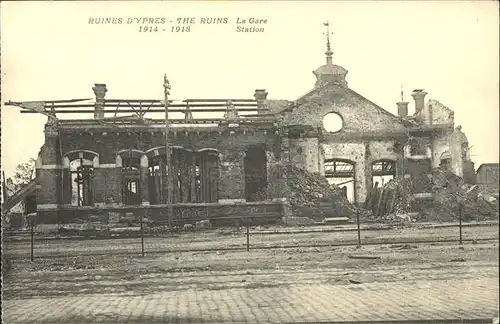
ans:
x=230 y=164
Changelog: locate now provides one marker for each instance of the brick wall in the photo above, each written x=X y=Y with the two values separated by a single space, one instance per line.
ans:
x=183 y=214
x=107 y=181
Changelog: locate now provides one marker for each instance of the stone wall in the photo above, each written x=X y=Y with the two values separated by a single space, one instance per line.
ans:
x=183 y=213
x=305 y=153
x=359 y=115
x=363 y=154
x=107 y=182
x=440 y=113
x=355 y=153
x=440 y=148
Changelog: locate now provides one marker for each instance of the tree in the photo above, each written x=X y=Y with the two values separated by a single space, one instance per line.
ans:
x=25 y=172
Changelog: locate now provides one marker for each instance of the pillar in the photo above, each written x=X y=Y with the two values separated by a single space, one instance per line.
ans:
x=185 y=164
x=285 y=150
x=260 y=96
x=49 y=169
x=213 y=176
x=145 y=180
x=232 y=177
x=273 y=176
x=361 y=175
x=192 y=178
x=175 y=176
x=101 y=193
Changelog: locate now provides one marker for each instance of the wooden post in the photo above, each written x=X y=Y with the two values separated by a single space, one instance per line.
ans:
x=379 y=201
x=142 y=234
x=248 y=234
x=358 y=225
x=460 y=222
x=32 y=238
x=166 y=86
x=357 y=216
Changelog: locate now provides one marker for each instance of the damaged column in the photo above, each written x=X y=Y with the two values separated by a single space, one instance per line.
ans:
x=232 y=169
x=50 y=177
x=261 y=95
x=232 y=177
x=274 y=185
x=144 y=180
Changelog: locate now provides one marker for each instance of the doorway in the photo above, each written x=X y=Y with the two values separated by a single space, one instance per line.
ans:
x=255 y=164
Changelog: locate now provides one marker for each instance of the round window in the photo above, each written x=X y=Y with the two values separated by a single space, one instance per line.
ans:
x=332 y=122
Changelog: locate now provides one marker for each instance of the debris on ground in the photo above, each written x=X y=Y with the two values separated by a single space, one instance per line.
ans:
x=364 y=257
x=356 y=282
x=297 y=221
x=396 y=202
x=450 y=191
x=403 y=246
x=311 y=195
x=457 y=260
x=203 y=224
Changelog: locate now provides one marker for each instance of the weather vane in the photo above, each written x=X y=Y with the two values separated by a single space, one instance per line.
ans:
x=327 y=24
x=166 y=84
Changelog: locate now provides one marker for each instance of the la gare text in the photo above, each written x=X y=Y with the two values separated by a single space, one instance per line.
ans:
x=147 y=24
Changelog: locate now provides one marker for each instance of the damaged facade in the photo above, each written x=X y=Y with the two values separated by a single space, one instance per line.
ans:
x=231 y=164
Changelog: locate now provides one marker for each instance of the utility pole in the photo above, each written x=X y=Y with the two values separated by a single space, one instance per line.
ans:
x=166 y=86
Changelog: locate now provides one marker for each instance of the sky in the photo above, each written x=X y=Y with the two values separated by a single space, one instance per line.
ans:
x=50 y=51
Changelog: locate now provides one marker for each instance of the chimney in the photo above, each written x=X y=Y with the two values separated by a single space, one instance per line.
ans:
x=100 y=92
x=419 y=97
x=260 y=95
x=402 y=109
x=422 y=112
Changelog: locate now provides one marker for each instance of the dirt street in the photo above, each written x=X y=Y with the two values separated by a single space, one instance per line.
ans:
x=401 y=282
x=230 y=238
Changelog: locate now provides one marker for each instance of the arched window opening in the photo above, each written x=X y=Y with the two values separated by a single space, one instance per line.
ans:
x=341 y=173
x=157 y=179
x=131 y=164
x=195 y=176
x=207 y=173
x=383 y=171
x=81 y=175
x=445 y=161
x=131 y=178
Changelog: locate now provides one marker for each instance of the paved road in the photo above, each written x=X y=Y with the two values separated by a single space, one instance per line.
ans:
x=398 y=301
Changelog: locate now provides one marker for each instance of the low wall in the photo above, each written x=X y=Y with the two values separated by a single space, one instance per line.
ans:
x=259 y=212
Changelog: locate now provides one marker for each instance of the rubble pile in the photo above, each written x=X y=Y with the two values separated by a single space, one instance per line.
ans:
x=310 y=195
x=384 y=203
x=449 y=191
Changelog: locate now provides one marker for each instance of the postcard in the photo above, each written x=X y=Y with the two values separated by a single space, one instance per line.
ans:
x=250 y=161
